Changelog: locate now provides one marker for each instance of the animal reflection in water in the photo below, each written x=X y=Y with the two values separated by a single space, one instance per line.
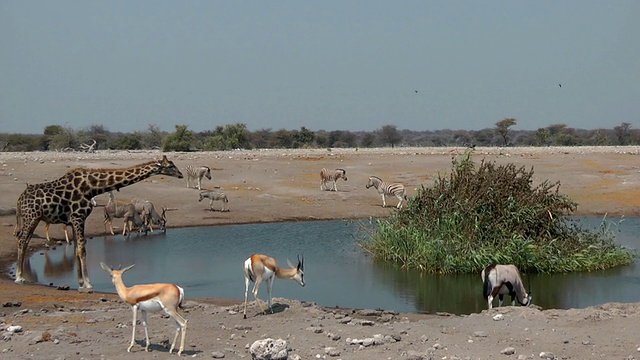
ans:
x=54 y=269
x=28 y=273
x=503 y=280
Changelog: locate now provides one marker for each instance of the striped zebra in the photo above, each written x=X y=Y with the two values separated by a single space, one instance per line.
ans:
x=326 y=176
x=197 y=172
x=213 y=196
x=395 y=189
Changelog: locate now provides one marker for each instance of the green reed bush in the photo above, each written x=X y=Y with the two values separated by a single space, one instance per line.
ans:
x=487 y=213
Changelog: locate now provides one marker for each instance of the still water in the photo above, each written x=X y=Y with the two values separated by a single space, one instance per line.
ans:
x=207 y=262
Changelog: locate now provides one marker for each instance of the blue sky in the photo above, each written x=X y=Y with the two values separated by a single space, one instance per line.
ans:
x=325 y=65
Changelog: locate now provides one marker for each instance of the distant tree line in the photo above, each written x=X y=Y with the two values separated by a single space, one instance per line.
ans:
x=237 y=136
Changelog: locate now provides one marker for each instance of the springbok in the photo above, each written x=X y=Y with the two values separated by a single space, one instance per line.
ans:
x=259 y=268
x=150 y=297
x=504 y=280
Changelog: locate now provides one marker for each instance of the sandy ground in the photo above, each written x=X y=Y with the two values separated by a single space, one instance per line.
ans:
x=283 y=185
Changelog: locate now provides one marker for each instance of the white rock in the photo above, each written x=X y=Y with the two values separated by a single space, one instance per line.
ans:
x=508 y=351
x=14 y=328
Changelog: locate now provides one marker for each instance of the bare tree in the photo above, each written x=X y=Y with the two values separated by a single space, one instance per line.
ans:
x=503 y=128
x=622 y=133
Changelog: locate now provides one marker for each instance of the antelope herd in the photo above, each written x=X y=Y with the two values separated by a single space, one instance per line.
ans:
x=141 y=215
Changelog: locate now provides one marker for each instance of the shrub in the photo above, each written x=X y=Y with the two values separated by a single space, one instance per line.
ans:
x=181 y=140
x=487 y=214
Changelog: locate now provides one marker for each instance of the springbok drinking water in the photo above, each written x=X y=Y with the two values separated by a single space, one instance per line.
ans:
x=503 y=280
x=259 y=268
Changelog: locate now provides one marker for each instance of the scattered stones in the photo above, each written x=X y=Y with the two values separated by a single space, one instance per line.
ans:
x=12 y=304
x=415 y=355
x=217 y=355
x=37 y=338
x=315 y=329
x=442 y=313
x=334 y=337
x=377 y=339
x=545 y=355
x=369 y=312
x=331 y=351
x=365 y=323
x=269 y=349
x=21 y=312
x=14 y=329
x=508 y=351
x=498 y=317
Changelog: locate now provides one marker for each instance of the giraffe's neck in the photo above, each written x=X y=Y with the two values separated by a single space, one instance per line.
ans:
x=94 y=182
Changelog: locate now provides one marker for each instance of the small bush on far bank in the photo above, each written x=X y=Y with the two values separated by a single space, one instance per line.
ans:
x=487 y=214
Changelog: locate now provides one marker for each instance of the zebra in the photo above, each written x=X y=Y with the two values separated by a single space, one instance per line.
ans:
x=326 y=176
x=395 y=189
x=213 y=196
x=194 y=172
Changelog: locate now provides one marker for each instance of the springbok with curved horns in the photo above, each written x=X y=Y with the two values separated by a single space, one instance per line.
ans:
x=151 y=297
x=259 y=268
x=504 y=280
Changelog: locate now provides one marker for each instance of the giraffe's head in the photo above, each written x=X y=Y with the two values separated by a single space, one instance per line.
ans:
x=167 y=167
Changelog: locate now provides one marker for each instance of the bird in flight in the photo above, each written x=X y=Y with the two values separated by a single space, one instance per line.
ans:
x=416 y=91
x=559 y=85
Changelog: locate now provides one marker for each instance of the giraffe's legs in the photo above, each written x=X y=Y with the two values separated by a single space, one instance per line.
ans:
x=81 y=256
x=28 y=227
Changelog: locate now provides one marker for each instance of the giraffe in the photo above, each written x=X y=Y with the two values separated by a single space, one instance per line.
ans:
x=68 y=201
